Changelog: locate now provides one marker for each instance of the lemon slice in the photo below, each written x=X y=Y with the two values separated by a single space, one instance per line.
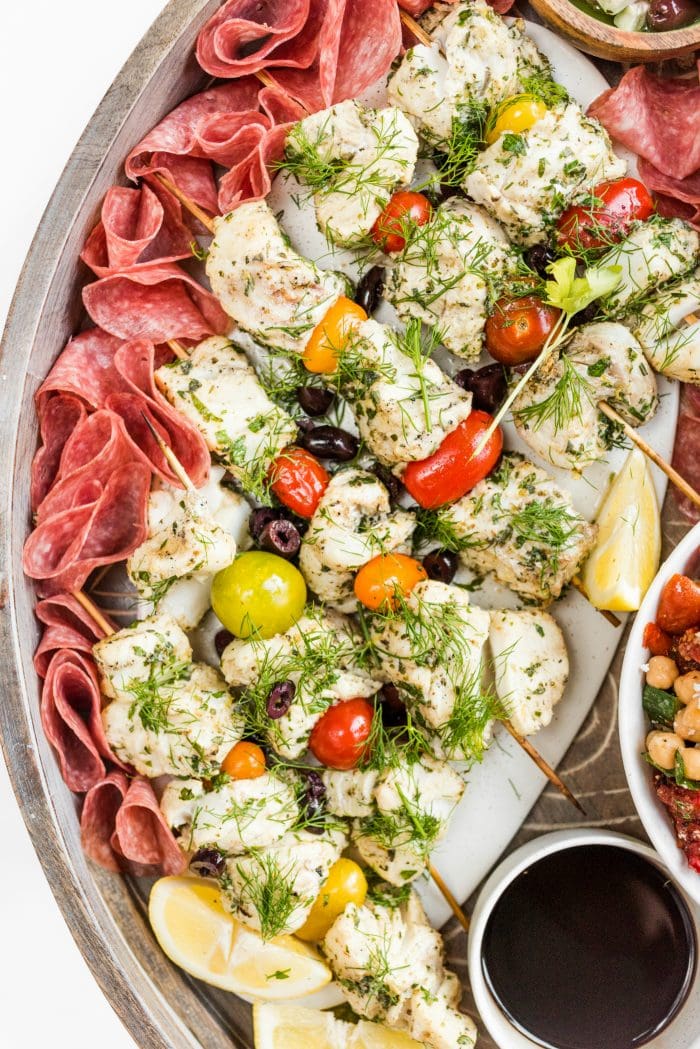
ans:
x=197 y=934
x=294 y=1027
x=374 y=1036
x=625 y=559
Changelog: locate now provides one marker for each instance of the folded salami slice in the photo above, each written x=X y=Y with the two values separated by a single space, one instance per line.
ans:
x=656 y=118
x=66 y=626
x=244 y=36
x=98 y=819
x=675 y=198
x=70 y=714
x=136 y=226
x=157 y=302
x=58 y=418
x=686 y=452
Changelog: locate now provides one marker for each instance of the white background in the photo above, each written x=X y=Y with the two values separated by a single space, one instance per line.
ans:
x=57 y=59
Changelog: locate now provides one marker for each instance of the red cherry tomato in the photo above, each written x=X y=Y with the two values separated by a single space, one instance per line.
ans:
x=679 y=605
x=588 y=228
x=454 y=469
x=298 y=480
x=338 y=739
x=656 y=640
x=518 y=328
x=405 y=207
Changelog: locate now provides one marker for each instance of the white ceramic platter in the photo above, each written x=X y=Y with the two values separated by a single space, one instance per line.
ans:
x=502 y=790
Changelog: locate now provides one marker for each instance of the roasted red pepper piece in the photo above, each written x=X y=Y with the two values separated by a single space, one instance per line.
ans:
x=656 y=640
x=679 y=606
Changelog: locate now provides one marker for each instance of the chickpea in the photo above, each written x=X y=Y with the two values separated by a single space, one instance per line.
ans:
x=687 y=722
x=662 y=747
x=662 y=672
x=687 y=686
x=691 y=762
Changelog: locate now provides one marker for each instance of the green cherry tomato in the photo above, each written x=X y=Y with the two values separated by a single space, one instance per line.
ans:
x=259 y=594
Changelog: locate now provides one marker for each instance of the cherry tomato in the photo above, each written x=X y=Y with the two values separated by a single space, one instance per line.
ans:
x=656 y=640
x=328 y=338
x=259 y=594
x=379 y=582
x=590 y=227
x=345 y=884
x=679 y=605
x=518 y=328
x=338 y=739
x=454 y=469
x=515 y=114
x=244 y=761
x=404 y=207
x=298 y=480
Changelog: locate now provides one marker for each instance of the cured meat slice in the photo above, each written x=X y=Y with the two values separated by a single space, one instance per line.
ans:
x=68 y=545
x=57 y=420
x=244 y=36
x=99 y=817
x=84 y=368
x=157 y=302
x=676 y=198
x=70 y=714
x=686 y=452
x=66 y=626
x=137 y=226
x=250 y=180
x=658 y=119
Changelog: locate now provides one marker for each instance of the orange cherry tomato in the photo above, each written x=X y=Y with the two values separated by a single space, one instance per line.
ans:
x=679 y=605
x=518 y=328
x=329 y=337
x=454 y=469
x=657 y=640
x=298 y=480
x=404 y=208
x=338 y=739
x=589 y=227
x=244 y=761
x=381 y=580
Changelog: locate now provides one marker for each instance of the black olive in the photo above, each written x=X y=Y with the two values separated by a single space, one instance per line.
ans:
x=441 y=565
x=281 y=538
x=330 y=442
x=208 y=863
x=586 y=315
x=393 y=707
x=369 y=290
x=315 y=787
x=539 y=257
x=487 y=386
x=280 y=699
x=314 y=799
x=314 y=400
x=304 y=426
x=389 y=480
x=260 y=518
x=664 y=15
x=222 y=639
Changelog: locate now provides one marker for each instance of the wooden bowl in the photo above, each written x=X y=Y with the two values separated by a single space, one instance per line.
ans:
x=606 y=41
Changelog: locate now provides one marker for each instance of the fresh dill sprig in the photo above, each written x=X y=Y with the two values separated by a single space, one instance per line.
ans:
x=540 y=83
x=564 y=405
x=270 y=888
x=154 y=695
x=393 y=746
x=419 y=349
x=437 y=528
x=456 y=158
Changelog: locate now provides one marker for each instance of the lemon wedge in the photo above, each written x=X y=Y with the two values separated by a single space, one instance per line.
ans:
x=278 y=1026
x=196 y=933
x=625 y=558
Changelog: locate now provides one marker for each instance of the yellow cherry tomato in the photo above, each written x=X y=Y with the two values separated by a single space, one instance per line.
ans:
x=259 y=594
x=244 y=761
x=328 y=338
x=515 y=114
x=385 y=578
x=345 y=884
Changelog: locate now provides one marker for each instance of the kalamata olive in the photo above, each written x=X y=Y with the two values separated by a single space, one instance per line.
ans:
x=280 y=699
x=390 y=481
x=304 y=426
x=664 y=15
x=222 y=640
x=393 y=707
x=208 y=863
x=369 y=290
x=314 y=799
x=280 y=537
x=314 y=400
x=487 y=386
x=441 y=565
x=539 y=257
x=315 y=787
x=260 y=518
x=330 y=442
x=586 y=315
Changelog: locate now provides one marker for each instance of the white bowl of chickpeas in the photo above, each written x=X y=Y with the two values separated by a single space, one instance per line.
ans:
x=659 y=707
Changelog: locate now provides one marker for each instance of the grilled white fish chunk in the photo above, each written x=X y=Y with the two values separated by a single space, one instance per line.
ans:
x=350 y=792
x=671 y=346
x=318 y=655
x=167 y=715
x=654 y=252
x=530 y=664
x=352 y=524
x=603 y=361
x=362 y=155
x=520 y=525
x=218 y=390
x=234 y=816
x=444 y=274
x=269 y=290
x=475 y=58
x=390 y=966
x=526 y=180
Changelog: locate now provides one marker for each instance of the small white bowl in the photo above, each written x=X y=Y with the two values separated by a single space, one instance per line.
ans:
x=682 y=1033
x=633 y=725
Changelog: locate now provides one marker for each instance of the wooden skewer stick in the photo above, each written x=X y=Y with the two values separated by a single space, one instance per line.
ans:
x=194 y=209
x=456 y=909
x=542 y=764
x=92 y=609
x=413 y=27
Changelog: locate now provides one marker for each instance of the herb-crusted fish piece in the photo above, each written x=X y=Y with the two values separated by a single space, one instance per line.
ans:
x=654 y=252
x=671 y=346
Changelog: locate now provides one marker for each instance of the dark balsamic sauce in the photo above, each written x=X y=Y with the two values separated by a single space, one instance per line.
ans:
x=590 y=948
